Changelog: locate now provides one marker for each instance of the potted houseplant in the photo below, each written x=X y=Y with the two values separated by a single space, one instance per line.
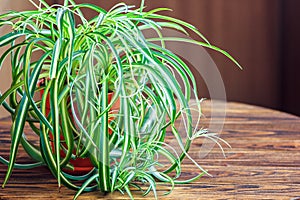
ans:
x=108 y=94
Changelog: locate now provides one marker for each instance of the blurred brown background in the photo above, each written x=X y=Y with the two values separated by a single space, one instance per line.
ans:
x=263 y=35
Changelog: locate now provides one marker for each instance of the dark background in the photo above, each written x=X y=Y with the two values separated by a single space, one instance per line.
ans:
x=263 y=35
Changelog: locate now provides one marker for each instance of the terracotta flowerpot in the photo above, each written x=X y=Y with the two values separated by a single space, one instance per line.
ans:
x=81 y=165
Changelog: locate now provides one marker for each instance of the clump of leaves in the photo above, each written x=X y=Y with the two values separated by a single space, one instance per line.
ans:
x=81 y=61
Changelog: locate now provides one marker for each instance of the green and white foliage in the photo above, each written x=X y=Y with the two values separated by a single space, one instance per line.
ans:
x=80 y=62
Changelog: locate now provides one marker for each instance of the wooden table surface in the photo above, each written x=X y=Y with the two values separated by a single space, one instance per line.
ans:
x=263 y=163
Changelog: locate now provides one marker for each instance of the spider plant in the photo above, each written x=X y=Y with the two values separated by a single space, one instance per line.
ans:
x=81 y=63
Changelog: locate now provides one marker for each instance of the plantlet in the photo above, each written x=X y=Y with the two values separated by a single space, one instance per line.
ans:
x=111 y=95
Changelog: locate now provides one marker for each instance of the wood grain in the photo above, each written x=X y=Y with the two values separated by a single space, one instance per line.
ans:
x=263 y=163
